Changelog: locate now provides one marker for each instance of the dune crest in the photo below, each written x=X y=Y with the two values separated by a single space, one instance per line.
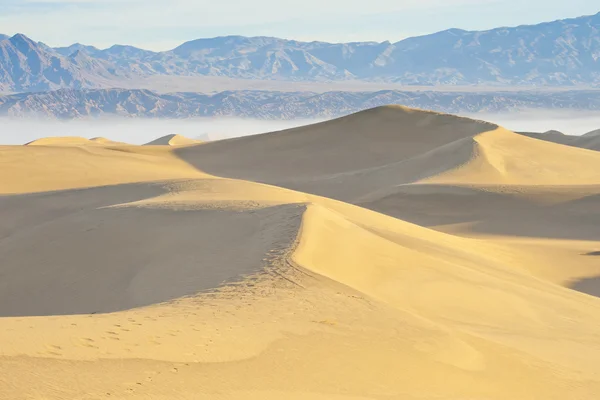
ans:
x=593 y=133
x=108 y=142
x=73 y=141
x=503 y=157
x=60 y=141
x=590 y=140
x=173 y=140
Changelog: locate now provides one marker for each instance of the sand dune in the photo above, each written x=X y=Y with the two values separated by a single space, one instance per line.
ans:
x=591 y=143
x=27 y=169
x=73 y=141
x=391 y=254
x=168 y=256
x=107 y=142
x=343 y=155
x=503 y=157
x=590 y=140
x=594 y=133
x=358 y=156
x=173 y=140
x=61 y=141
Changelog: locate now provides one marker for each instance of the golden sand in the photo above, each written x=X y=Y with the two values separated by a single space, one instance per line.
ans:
x=173 y=140
x=437 y=264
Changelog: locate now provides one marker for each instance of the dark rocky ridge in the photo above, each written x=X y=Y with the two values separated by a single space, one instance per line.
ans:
x=70 y=103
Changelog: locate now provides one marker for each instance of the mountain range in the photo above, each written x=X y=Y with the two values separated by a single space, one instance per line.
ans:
x=559 y=53
x=71 y=103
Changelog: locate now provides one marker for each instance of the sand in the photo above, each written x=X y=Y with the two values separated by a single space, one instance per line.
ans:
x=173 y=140
x=590 y=140
x=391 y=254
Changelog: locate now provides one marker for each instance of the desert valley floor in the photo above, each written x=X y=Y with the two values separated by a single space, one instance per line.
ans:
x=390 y=254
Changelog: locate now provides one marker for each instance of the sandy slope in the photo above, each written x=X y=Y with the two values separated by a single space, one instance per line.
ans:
x=43 y=168
x=62 y=141
x=590 y=140
x=173 y=140
x=454 y=287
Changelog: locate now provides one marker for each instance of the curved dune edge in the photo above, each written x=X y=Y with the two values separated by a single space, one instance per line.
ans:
x=243 y=195
x=173 y=140
x=73 y=141
x=107 y=142
x=34 y=169
x=590 y=140
x=60 y=141
x=504 y=158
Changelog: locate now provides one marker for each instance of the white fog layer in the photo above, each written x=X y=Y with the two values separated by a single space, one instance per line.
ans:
x=140 y=131
x=568 y=122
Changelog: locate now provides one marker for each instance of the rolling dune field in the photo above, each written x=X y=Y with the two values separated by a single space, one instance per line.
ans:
x=391 y=254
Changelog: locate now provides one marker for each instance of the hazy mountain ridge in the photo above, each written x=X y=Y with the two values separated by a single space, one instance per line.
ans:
x=28 y=65
x=68 y=103
x=564 y=52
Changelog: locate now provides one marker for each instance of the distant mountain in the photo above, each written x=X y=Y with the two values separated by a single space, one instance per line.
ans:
x=26 y=65
x=560 y=53
x=3 y=37
x=67 y=51
x=563 y=52
x=68 y=103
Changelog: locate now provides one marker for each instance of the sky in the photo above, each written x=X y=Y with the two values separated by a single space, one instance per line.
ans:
x=164 y=24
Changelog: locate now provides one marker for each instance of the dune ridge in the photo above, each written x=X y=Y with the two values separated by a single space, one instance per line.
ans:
x=588 y=140
x=60 y=141
x=73 y=141
x=173 y=140
x=394 y=253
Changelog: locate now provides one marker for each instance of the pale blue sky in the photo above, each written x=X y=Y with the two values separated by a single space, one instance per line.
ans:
x=164 y=24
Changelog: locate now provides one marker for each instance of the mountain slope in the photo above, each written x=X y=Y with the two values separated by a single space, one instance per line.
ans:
x=564 y=52
x=67 y=51
x=559 y=53
x=28 y=66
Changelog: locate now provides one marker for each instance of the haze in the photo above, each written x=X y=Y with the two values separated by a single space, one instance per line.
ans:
x=140 y=131
x=568 y=122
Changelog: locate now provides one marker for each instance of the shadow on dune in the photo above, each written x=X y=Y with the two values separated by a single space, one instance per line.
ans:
x=62 y=253
x=589 y=286
x=492 y=213
x=346 y=158
x=368 y=158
